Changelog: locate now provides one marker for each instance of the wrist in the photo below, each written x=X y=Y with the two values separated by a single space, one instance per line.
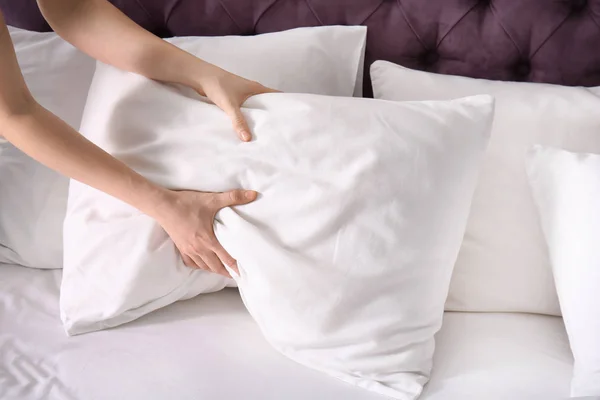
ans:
x=171 y=64
x=201 y=74
x=153 y=200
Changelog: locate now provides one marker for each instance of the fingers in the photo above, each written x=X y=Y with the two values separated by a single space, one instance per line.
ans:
x=236 y=198
x=240 y=125
x=215 y=264
x=200 y=249
x=237 y=117
x=200 y=264
x=188 y=261
x=225 y=258
x=212 y=261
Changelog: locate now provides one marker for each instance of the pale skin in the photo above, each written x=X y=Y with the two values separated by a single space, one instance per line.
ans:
x=102 y=31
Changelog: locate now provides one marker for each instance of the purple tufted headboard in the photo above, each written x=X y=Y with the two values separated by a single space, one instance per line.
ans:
x=554 y=41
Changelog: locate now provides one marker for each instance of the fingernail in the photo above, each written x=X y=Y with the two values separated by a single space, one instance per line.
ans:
x=250 y=194
x=246 y=136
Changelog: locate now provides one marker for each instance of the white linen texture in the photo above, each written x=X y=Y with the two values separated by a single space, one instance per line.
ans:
x=566 y=187
x=321 y=60
x=504 y=251
x=345 y=258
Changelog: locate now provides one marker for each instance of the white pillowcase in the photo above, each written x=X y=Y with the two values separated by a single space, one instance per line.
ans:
x=323 y=60
x=566 y=187
x=319 y=60
x=503 y=263
x=346 y=256
x=33 y=198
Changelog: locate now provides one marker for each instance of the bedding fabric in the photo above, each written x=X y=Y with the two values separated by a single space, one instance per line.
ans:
x=503 y=263
x=566 y=187
x=323 y=60
x=33 y=198
x=362 y=203
x=500 y=356
x=210 y=348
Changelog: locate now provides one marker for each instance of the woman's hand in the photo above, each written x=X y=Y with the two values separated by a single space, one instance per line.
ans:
x=229 y=92
x=188 y=219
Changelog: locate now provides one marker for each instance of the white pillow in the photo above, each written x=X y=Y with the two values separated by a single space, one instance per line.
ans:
x=319 y=60
x=566 y=187
x=323 y=60
x=33 y=198
x=503 y=263
x=345 y=258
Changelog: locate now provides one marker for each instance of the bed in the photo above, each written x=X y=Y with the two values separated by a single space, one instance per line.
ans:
x=209 y=347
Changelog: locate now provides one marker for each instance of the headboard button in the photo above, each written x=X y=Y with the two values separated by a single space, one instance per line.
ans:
x=522 y=69
x=430 y=57
x=578 y=5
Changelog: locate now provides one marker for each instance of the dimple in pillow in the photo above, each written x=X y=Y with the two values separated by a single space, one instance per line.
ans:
x=345 y=258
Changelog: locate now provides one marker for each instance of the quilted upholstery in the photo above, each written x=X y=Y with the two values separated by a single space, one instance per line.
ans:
x=554 y=41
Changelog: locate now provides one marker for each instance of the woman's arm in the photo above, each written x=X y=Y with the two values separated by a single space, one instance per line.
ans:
x=102 y=31
x=46 y=138
x=186 y=216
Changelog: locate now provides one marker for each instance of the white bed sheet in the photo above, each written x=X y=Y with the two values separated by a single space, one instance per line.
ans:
x=496 y=356
x=209 y=348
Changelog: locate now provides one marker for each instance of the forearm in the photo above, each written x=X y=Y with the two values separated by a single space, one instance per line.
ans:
x=102 y=31
x=52 y=142
x=14 y=95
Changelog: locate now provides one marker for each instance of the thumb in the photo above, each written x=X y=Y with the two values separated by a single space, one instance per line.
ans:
x=236 y=198
x=269 y=90
x=240 y=125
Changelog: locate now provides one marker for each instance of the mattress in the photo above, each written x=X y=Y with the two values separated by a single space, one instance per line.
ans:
x=209 y=348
